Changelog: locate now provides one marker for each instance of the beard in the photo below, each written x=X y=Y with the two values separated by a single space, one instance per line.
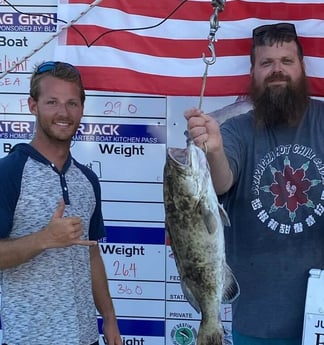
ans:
x=53 y=134
x=280 y=105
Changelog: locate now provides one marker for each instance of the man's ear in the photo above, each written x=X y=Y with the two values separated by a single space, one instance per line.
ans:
x=32 y=104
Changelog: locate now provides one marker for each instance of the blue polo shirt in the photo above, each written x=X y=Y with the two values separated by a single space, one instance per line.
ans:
x=48 y=299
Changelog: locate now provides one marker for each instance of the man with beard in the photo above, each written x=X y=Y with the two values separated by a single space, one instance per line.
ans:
x=267 y=165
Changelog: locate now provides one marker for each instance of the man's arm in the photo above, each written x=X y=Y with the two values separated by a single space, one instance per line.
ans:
x=220 y=171
x=60 y=232
x=14 y=252
x=102 y=298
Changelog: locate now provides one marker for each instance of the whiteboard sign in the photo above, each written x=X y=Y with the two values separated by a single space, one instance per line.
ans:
x=314 y=329
x=314 y=309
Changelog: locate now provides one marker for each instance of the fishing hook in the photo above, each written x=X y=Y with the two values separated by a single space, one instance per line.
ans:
x=214 y=26
x=212 y=59
x=218 y=6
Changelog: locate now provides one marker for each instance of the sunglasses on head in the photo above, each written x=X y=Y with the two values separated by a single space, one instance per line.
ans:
x=280 y=28
x=50 y=66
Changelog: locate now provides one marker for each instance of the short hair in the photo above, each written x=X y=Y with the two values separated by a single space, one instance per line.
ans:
x=268 y=35
x=57 y=69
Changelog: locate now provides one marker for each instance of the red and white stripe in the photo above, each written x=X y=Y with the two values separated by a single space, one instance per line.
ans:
x=167 y=59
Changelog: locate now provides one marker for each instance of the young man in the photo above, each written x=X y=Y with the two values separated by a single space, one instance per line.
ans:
x=268 y=165
x=52 y=274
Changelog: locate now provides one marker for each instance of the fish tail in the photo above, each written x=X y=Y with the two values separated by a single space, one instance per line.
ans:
x=210 y=335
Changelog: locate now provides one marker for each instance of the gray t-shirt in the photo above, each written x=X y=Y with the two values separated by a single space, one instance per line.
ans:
x=48 y=299
x=277 y=226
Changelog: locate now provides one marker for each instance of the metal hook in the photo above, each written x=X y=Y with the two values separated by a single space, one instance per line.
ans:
x=214 y=26
x=211 y=60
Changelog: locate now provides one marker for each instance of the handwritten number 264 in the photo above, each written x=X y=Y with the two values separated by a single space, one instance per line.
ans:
x=125 y=270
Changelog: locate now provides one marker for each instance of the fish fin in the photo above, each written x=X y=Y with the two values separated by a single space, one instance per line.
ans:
x=224 y=216
x=208 y=217
x=231 y=288
x=189 y=296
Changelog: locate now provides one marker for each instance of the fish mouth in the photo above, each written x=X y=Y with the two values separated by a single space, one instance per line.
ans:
x=179 y=156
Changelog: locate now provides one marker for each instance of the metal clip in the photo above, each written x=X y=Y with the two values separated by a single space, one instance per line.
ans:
x=214 y=26
x=220 y=4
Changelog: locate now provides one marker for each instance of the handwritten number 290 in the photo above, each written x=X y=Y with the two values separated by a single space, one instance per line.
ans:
x=117 y=108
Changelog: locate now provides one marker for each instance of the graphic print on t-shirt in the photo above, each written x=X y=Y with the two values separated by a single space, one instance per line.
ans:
x=287 y=187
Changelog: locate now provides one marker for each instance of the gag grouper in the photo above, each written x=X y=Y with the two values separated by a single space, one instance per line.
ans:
x=195 y=224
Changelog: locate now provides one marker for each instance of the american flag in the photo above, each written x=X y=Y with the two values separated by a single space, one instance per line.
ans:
x=156 y=47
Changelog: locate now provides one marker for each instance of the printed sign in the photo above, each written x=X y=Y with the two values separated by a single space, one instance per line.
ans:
x=314 y=309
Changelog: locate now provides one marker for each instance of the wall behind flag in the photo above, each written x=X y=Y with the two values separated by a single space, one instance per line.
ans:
x=123 y=138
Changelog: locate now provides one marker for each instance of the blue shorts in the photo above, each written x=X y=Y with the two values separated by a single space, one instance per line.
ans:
x=240 y=339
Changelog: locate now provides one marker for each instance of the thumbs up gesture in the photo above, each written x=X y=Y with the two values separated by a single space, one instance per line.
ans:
x=64 y=231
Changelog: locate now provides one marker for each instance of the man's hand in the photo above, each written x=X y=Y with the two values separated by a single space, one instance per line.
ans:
x=64 y=231
x=203 y=130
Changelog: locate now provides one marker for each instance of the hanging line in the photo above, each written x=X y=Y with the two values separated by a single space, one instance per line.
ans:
x=214 y=26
